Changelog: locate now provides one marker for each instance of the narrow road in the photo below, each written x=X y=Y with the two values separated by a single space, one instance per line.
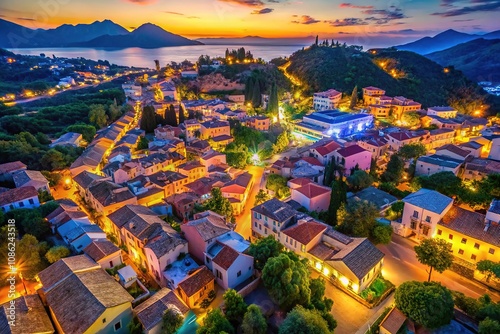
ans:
x=244 y=220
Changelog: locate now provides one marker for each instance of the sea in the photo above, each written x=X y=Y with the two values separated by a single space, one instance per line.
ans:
x=139 y=57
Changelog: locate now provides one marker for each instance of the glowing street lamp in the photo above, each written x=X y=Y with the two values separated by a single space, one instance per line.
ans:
x=255 y=158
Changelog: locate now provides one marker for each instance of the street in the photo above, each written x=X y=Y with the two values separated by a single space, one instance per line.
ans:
x=244 y=220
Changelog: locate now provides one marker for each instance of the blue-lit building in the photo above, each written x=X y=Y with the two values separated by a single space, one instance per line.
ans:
x=333 y=123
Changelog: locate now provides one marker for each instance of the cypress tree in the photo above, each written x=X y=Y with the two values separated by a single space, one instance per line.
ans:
x=170 y=116
x=182 y=115
x=148 y=119
x=338 y=196
x=256 y=95
x=316 y=42
x=272 y=106
x=354 y=97
x=249 y=89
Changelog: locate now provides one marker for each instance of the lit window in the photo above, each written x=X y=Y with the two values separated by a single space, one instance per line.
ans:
x=491 y=251
x=439 y=232
x=464 y=241
x=476 y=245
x=461 y=251
x=473 y=256
x=450 y=236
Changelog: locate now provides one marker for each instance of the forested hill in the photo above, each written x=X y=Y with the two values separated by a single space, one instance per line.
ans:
x=398 y=72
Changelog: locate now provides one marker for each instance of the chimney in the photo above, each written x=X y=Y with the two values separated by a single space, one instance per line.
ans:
x=131 y=225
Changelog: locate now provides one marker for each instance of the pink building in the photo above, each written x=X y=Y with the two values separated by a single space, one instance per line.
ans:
x=312 y=196
x=351 y=156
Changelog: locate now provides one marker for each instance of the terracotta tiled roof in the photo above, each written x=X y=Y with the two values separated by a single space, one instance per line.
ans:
x=305 y=232
x=453 y=149
x=327 y=148
x=300 y=181
x=225 y=257
x=393 y=321
x=312 y=190
x=351 y=150
x=312 y=161
x=11 y=166
x=17 y=194
x=196 y=281
x=99 y=249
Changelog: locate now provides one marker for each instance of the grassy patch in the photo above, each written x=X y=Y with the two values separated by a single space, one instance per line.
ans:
x=376 y=290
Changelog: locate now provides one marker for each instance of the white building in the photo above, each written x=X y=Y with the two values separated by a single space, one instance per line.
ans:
x=326 y=100
x=432 y=164
x=444 y=112
x=19 y=198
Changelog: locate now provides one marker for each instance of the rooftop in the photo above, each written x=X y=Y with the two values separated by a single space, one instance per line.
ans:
x=472 y=224
x=276 y=210
x=305 y=232
x=179 y=270
x=312 y=190
x=440 y=160
x=453 y=149
x=351 y=150
x=393 y=321
x=376 y=196
x=24 y=176
x=225 y=257
x=208 y=225
x=429 y=200
x=196 y=281
x=31 y=316
x=11 y=166
x=100 y=248
x=17 y=194
x=108 y=193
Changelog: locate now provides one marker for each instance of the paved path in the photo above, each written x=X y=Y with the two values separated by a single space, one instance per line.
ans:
x=244 y=220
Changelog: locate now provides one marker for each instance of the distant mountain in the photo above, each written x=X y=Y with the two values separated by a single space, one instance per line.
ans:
x=146 y=36
x=477 y=59
x=97 y=34
x=443 y=41
x=257 y=40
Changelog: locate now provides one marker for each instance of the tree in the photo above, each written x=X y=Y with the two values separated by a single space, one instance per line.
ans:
x=381 y=234
x=56 y=253
x=277 y=183
x=219 y=204
x=182 y=114
x=272 y=105
x=427 y=303
x=435 y=253
x=282 y=142
x=256 y=95
x=318 y=299
x=287 y=280
x=253 y=321
x=261 y=197
x=330 y=171
x=53 y=160
x=143 y=143
x=114 y=112
x=30 y=221
x=360 y=180
x=235 y=306
x=88 y=131
x=97 y=115
x=148 y=119
x=337 y=198
x=489 y=268
x=316 y=41
x=171 y=116
x=301 y=320
x=412 y=151
x=394 y=170
x=359 y=220
x=28 y=256
x=467 y=100
x=215 y=323
x=354 y=97
x=264 y=249
x=489 y=326
x=249 y=89
x=410 y=119
x=171 y=321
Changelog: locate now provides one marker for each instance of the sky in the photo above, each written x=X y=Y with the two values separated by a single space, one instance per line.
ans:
x=357 y=19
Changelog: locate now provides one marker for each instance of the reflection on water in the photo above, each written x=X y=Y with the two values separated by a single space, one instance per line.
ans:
x=145 y=57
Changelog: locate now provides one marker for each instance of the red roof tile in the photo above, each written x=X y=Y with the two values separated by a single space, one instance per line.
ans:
x=305 y=232
x=312 y=161
x=312 y=190
x=351 y=150
x=301 y=181
x=225 y=257
x=196 y=281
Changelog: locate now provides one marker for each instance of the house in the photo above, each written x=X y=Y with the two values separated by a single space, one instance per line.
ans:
x=150 y=312
x=432 y=164
x=237 y=191
x=396 y=140
x=438 y=138
x=370 y=95
x=212 y=158
x=202 y=231
x=259 y=122
x=120 y=154
x=353 y=156
x=79 y=235
x=271 y=217
x=422 y=212
x=377 y=146
x=68 y=139
x=9 y=168
x=150 y=241
x=29 y=314
x=183 y=204
x=148 y=193
x=131 y=90
x=380 y=110
x=26 y=178
x=443 y=112
x=90 y=159
x=192 y=129
x=478 y=169
x=106 y=197
x=303 y=236
x=105 y=253
x=282 y=167
x=83 y=298
x=377 y=197
x=65 y=212
x=198 y=147
x=326 y=100
x=228 y=261
x=196 y=287
x=453 y=151
x=474 y=236
x=220 y=142
x=473 y=147
x=170 y=182
x=324 y=150
x=494 y=148
x=193 y=170
x=312 y=196
x=332 y=124
x=401 y=104
x=167 y=132
x=392 y=322
x=83 y=181
x=212 y=129
x=19 y=198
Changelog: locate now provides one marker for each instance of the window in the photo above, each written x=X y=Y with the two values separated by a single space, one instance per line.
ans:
x=103 y=320
x=439 y=232
x=207 y=259
x=464 y=241
x=238 y=274
x=413 y=225
x=265 y=231
x=303 y=248
x=425 y=230
x=255 y=215
x=491 y=251
x=31 y=201
x=450 y=237
x=21 y=204
x=461 y=251
x=428 y=219
x=473 y=256
x=255 y=224
x=476 y=245
x=111 y=264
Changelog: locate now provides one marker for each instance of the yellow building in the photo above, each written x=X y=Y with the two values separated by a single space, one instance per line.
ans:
x=474 y=237
x=197 y=286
